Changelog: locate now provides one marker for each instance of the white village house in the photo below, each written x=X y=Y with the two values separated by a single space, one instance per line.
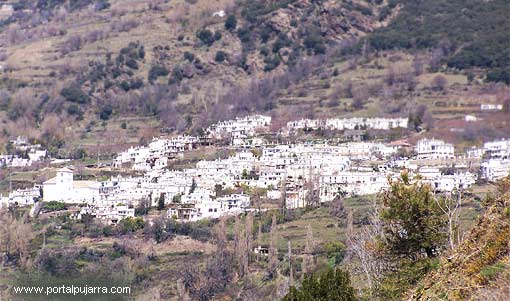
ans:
x=378 y=123
x=109 y=215
x=430 y=149
x=446 y=182
x=499 y=149
x=63 y=188
x=239 y=129
x=495 y=169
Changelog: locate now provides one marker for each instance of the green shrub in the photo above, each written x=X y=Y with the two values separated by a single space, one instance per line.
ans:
x=79 y=154
x=231 y=22
x=206 y=36
x=74 y=93
x=54 y=206
x=156 y=71
x=130 y=225
x=131 y=63
x=331 y=285
x=190 y=57
x=271 y=63
x=73 y=109
x=220 y=56
x=314 y=40
x=106 y=112
x=217 y=36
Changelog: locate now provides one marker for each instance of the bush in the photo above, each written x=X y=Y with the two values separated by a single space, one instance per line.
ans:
x=74 y=93
x=314 y=40
x=206 y=36
x=106 y=112
x=131 y=63
x=271 y=63
x=54 y=206
x=231 y=22
x=130 y=225
x=75 y=110
x=281 y=41
x=189 y=56
x=79 y=153
x=177 y=74
x=156 y=71
x=329 y=285
x=217 y=36
x=220 y=56
x=499 y=75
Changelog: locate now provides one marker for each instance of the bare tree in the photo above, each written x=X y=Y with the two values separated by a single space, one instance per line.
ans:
x=289 y=258
x=259 y=237
x=451 y=205
x=364 y=245
x=273 y=250
x=312 y=198
x=283 y=195
x=308 y=259
x=417 y=66
x=240 y=248
x=15 y=237
x=439 y=83
x=249 y=235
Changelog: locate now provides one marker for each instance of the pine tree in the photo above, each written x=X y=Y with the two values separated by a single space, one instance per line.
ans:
x=414 y=224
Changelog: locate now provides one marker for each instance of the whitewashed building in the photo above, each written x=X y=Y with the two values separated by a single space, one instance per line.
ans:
x=239 y=129
x=352 y=183
x=446 y=182
x=63 y=188
x=495 y=169
x=154 y=156
x=355 y=123
x=109 y=215
x=434 y=149
x=499 y=149
x=491 y=107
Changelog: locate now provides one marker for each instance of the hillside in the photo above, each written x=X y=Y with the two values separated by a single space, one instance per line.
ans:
x=212 y=217
x=479 y=268
x=76 y=71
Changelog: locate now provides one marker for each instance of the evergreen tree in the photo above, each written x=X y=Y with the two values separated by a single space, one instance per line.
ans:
x=413 y=222
x=161 y=202
x=331 y=285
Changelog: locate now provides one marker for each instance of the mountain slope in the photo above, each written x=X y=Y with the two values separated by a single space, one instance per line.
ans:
x=480 y=266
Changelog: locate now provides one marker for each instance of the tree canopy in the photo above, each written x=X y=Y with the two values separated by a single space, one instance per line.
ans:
x=330 y=285
x=413 y=222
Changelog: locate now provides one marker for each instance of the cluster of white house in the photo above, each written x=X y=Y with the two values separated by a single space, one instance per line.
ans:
x=496 y=159
x=155 y=155
x=240 y=129
x=31 y=153
x=491 y=107
x=290 y=174
x=348 y=123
